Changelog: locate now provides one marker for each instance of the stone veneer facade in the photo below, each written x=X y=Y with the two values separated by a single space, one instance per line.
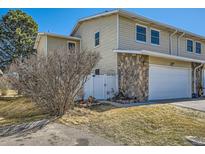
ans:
x=198 y=77
x=133 y=73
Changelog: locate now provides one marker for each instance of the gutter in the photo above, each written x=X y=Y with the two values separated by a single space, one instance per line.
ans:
x=179 y=44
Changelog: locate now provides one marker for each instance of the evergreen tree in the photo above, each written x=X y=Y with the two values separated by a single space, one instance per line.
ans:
x=18 y=32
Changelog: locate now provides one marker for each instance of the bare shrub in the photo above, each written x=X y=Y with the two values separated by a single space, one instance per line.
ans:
x=4 y=85
x=53 y=82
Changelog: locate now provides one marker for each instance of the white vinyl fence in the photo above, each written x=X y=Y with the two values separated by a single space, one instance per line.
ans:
x=101 y=86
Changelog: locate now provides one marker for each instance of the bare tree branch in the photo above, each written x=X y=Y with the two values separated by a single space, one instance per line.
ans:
x=54 y=82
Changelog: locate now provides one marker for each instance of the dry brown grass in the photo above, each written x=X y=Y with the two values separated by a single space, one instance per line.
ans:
x=80 y=116
x=18 y=111
x=144 y=125
x=9 y=92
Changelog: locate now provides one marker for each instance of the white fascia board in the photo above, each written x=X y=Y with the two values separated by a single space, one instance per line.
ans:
x=61 y=36
x=128 y=51
x=99 y=15
x=161 y=55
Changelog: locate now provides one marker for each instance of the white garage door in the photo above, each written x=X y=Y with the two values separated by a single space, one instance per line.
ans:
x=169 y=82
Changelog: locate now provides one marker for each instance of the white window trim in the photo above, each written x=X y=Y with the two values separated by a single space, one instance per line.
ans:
x=151 y=37
x=193 y=51
x=136 y=34
x=71 y=42
x=99 y=39
x=195 y=47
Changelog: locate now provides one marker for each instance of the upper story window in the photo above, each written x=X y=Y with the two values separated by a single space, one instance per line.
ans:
x=155 y=37
x=198 y=47
x=141 y=33
x=190 y=45
x=97 y=39
x=71 y=47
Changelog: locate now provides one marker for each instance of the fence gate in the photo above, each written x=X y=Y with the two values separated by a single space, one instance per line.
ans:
x=100 y=86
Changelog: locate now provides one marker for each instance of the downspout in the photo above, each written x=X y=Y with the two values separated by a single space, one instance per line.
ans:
x=171 y=41
x=195 y=69
x=179 y=42
x=117 y=72
x=117 y=31
x=80 y=45
x=202 y=78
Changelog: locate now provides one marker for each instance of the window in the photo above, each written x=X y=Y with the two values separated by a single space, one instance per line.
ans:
x=190 y=45
x=71 y=47
x=154 y=37
x=141 y=33
x=97 y=39
x=198 y=47
x=97 y=72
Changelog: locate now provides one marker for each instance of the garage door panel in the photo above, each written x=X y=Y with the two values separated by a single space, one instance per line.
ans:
x=169 y=82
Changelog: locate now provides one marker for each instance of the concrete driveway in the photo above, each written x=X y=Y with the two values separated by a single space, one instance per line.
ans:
x=193 y=104
x=196 y=104
x=57 y=134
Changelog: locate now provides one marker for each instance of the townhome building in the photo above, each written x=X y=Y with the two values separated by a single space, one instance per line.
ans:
x=143 y=58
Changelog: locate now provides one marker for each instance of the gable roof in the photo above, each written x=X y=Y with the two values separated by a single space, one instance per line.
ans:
x=140 y=18
x=102 y=14
x=53 y=35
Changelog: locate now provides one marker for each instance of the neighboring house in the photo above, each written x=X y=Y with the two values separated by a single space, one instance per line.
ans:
x=52 y=42
x=151 y=60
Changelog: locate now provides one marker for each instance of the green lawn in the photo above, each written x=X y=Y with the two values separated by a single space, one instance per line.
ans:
x=144 y=125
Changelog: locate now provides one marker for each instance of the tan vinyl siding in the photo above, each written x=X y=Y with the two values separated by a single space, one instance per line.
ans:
x=41 y=49
x=169 y=62
x=127 y=38
x=184 y=53
x=56 y=43
x=107 y=26
x=174 y=46
x=127 y=41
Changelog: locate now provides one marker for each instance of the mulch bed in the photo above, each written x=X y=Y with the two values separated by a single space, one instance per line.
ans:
x=127 y=101
x=87 y=104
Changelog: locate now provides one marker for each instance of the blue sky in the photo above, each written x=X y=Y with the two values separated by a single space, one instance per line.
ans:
x=62 y=21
